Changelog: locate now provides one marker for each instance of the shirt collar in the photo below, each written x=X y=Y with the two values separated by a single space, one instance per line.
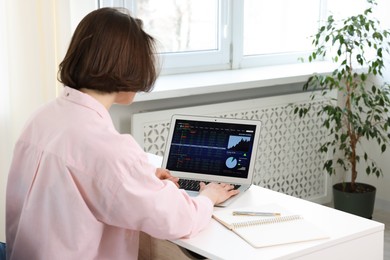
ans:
x=82 y=99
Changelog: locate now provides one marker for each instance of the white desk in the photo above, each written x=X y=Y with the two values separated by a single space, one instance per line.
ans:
x=351 y=237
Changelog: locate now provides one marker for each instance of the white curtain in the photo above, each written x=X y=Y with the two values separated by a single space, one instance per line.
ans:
x=4 y=116
x=33 y=37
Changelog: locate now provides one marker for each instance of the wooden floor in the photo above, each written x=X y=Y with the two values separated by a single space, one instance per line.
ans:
x=384 y=217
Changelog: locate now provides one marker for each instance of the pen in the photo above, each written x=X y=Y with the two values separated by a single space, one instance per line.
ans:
x=255 y=213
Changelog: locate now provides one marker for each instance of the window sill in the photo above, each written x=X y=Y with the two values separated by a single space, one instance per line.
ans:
x=173 y=86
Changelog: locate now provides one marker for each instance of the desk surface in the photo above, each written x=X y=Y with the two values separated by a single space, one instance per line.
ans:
x=345 y=231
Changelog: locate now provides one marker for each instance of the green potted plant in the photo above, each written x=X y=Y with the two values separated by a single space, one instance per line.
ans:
x=357 y=45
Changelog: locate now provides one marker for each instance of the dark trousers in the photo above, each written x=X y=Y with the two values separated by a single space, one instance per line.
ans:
x=2 y=251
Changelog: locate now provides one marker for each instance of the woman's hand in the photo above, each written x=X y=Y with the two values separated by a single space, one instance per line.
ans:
x=164 y=174
x=217 y=192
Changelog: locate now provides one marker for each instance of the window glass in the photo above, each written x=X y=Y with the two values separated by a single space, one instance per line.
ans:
x=279 y=26
x=181 y=26
x=345 y=8
x=116 y=3
x=177 y=25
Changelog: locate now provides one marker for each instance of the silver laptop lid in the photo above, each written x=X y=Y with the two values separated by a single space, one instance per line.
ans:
x=212 y=149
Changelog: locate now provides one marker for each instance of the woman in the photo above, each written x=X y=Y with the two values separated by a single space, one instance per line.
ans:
x=77 y=189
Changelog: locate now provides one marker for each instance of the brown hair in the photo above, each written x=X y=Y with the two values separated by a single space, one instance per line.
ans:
x=110 y=52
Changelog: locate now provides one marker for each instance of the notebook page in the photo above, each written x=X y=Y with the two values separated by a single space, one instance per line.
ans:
x=269 y=231
x=280 y=233
x=227 y=218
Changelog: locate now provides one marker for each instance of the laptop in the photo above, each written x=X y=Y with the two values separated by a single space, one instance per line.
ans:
x=212 y=149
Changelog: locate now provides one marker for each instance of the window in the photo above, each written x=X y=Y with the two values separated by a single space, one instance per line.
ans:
x=288 y=25
x=201 y=35
x=181 y=26
x=185 y=31
x=278 y=31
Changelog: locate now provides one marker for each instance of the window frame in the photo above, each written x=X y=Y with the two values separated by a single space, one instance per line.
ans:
x=218 y=59
x=229 y=54
x=282 y=58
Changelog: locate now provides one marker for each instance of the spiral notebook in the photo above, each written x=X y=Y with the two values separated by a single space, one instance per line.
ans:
x=263 y=231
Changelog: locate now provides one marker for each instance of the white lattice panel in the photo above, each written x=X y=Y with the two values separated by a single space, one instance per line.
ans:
x=287 y=160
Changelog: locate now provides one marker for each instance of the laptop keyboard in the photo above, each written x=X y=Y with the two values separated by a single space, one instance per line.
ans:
x=194 y=185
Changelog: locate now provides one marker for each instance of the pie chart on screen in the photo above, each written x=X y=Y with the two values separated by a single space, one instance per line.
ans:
x=231 y=162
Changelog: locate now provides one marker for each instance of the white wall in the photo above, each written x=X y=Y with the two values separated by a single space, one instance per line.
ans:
x=4 y=116
x=382 y=183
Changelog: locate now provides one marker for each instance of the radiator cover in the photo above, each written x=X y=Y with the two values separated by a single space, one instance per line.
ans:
x=287 y=161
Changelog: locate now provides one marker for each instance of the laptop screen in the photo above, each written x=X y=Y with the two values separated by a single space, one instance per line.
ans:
x=212 y=148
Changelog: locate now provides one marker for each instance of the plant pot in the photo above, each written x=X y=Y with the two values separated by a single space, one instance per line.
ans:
x=360 y=203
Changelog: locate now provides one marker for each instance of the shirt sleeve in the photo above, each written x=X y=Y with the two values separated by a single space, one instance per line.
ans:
x=128 y=195
x=158 y=207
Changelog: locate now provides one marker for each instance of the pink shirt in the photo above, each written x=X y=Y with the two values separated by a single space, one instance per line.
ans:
x=77 y=189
